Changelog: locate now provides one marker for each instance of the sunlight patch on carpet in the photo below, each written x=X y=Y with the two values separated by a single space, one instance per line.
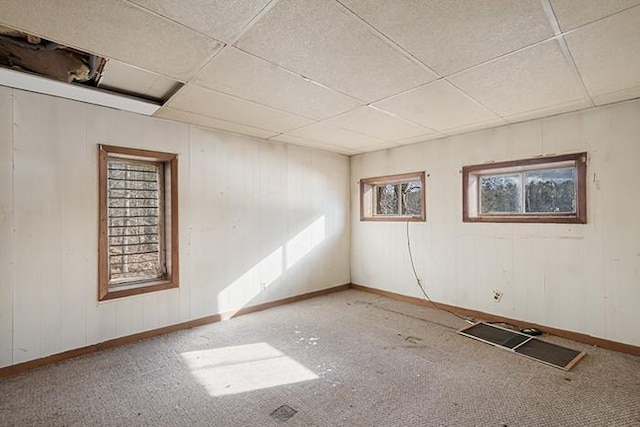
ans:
x=238 y=369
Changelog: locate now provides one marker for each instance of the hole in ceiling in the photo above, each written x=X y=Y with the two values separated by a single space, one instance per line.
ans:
x=25 y=52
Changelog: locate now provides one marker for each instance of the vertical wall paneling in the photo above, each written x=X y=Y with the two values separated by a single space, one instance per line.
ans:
x=78 y=209
x=619 y=158
x=37 y=214
x=6 y=226
x=205 y=222
x=242 y=200
x=577 y=277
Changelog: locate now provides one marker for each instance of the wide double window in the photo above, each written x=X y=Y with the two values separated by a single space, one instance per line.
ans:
x=138 y=241
x=547 y=189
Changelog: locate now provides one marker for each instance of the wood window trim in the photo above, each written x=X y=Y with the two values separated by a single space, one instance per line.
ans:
x=391 y=179
x=173 y=273
x=579 y=217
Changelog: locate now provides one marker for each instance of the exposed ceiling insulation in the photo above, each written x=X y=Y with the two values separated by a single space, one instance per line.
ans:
x=23 y=51
x=352 y=76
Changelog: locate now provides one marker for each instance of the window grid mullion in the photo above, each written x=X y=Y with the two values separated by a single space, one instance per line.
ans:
x=523 y=209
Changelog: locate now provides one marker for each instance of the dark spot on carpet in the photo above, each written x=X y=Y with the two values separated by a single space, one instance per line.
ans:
x=283 y=413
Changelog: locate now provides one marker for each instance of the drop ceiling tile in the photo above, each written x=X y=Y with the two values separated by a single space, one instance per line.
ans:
x=220 y=19
x=437 y=105
x=324 y=42
x=125 y=78
x=290 y=139
x=294 y=140
x=114 y=29
x=375 y=147
x=209 y=122
x=606 y=53
x=531 y=79
x=620 y=95
x=326 y=134
x=422 y=138
x=245 y=76
x=549 y=111
x=208 y=103
x=450 y=36
x=573 y=13
x=475 y=126
x=379 y=124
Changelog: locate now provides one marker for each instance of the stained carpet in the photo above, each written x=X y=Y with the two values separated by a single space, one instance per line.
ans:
x=346 y=359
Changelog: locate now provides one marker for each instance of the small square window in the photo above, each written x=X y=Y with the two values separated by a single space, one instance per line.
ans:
x=392 y=198
x=549 y=189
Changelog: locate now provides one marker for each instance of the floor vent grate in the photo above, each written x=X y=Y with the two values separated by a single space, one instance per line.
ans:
x=525 y=345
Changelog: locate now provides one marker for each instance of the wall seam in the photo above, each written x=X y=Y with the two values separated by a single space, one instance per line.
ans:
x=13 y=222
x=350 y=214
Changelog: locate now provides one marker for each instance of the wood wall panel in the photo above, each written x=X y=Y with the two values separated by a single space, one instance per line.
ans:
x=7 y=258
x=235 y=209
x=578 y=277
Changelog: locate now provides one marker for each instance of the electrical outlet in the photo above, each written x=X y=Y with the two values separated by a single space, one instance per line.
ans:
x=497 y=295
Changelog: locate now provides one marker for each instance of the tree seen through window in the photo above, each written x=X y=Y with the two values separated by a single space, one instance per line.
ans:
x=545 y=191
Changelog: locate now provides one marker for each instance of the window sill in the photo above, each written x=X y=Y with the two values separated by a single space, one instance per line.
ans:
x=391 y=218
x=143 y=289
x=555 y=219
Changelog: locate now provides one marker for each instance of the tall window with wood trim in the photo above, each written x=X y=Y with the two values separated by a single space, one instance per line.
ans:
x=543 y=189
x=138 y=240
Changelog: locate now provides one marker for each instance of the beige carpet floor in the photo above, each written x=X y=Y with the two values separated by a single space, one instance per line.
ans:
x=346 y=359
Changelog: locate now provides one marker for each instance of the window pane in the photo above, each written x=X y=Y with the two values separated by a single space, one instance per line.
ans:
x=500 y=193
x=133 y=205
x=551 y=190
x=411 y=198
x=387 y=199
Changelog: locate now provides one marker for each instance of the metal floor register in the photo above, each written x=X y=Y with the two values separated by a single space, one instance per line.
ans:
x=525 y=345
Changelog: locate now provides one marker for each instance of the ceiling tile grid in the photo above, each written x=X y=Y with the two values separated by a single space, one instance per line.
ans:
x=321 y=41
x=209 y=103
x=136 y=81
x=327 y=134
x=606 y=53
x=115 y=29
x=438 y=105
x=531 y=79
x=378 y=124
x=213 y=123
x=245 y=76
x=205 y=15
x=296 y=140
x=575 y=13
x=352 y=76
x=452 y=35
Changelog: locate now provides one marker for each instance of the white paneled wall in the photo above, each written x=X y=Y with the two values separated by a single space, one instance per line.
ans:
x=242 y=201
x=583 y=278
x=6 y=226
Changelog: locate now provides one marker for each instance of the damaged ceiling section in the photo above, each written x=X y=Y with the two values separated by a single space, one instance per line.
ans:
x=21 y=51
x=32 y=54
